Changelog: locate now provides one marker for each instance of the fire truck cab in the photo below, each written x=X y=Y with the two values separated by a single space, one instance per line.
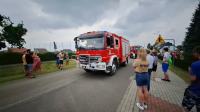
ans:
x=101 y=50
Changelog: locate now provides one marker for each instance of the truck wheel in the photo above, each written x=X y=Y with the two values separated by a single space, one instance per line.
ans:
x=131 y=56
x=125 y=63
x=111 y=70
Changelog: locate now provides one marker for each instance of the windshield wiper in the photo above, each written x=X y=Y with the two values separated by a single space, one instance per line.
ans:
x=93 y=48
x=81 y=47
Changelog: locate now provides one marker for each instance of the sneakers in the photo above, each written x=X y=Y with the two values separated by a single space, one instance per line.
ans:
x=140 y=106
x=145 y=106
x=166 y=80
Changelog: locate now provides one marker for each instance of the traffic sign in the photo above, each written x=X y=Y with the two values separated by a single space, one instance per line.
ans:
x=160 y=40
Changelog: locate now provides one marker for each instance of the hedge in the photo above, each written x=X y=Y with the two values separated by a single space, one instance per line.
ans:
x=182 y=64
x=10 y=58
x=47 y=56
x=15 y=58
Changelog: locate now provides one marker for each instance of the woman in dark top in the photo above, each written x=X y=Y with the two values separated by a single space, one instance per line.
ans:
x=29 y=60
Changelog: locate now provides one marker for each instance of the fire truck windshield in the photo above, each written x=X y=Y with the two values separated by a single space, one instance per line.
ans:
x=90 y=42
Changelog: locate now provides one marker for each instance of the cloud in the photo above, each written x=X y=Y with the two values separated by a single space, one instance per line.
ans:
x=61 y=20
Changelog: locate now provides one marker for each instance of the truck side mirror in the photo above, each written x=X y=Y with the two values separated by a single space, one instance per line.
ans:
x=75 y=39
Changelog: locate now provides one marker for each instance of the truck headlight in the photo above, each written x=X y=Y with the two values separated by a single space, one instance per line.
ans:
x=77 y=58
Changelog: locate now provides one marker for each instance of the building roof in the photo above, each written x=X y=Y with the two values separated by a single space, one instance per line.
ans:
x=16 y=50
x=40 y=50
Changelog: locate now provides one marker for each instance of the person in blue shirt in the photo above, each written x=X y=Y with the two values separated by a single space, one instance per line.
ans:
x=192 y=93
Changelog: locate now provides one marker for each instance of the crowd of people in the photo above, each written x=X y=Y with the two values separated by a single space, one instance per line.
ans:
x=31 y=62
x=146 y=63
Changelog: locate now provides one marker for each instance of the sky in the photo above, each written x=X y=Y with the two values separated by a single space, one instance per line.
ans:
x=140 y=21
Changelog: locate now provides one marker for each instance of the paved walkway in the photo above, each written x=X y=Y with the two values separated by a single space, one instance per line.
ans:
x=164 y=96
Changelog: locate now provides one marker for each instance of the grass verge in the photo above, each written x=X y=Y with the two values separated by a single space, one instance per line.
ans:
x=14 y=72
x=180 y=73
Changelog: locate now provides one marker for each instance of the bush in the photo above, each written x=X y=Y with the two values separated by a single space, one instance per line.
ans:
x=184 y=64
x=72 y=55
x=16 y=58
x=47 y=56
x=10 y=58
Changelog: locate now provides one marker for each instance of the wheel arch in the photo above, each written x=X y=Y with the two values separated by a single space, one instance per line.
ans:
x=112 y=59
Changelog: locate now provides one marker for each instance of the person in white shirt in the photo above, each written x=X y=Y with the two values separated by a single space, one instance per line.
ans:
x=154 y=69
x=150 y=60
x=165 y=64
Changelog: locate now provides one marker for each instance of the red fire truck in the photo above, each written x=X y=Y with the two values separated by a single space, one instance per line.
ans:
x=101 y=50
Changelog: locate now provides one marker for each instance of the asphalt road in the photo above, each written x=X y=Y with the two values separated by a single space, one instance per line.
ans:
x=66 y=91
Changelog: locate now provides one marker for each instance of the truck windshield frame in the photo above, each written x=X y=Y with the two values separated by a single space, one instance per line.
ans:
x=95 y=42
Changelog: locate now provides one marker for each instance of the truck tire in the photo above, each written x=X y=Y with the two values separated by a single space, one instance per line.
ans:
x=125 y=63
x=86 y=70
x=131 y=56
x=112 y=69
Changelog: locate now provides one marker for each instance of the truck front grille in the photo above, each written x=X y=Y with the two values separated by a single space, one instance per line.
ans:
x=93 y=59
x=84 y=59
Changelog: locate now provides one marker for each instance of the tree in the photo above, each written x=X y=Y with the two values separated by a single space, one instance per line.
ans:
x=179 y=47
x=192 y=38
x=11 y=33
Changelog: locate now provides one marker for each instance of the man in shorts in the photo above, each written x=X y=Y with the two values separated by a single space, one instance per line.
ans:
x=192 y=93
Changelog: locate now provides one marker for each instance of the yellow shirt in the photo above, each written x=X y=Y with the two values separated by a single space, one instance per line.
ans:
x=140 y=66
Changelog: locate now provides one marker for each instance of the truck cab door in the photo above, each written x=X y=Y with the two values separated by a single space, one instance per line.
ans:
x=116 y=46
x=110 y=44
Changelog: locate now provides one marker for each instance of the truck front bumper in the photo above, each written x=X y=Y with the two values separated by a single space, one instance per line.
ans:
x=94 y=66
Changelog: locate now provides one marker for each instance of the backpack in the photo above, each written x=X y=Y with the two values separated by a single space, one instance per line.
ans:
x=170 y=61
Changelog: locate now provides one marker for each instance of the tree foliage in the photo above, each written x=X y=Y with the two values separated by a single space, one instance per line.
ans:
x=11 y=33
x=192 y=38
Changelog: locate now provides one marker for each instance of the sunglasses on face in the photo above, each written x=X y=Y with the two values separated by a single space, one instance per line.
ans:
x=142 y=65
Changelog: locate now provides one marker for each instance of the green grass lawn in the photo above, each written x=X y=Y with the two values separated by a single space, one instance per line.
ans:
x=14 y=72
x=180 y=73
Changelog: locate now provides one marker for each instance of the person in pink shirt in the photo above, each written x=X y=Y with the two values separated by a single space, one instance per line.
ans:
x=36 y=62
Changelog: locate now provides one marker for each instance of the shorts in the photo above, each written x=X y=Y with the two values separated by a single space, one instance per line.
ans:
x=26 y=67
x=30 y=66
x=154 y=69
x=165 y=67
x=190 y=100
x=61 y=61
x=142 y=79
x=57 y=61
